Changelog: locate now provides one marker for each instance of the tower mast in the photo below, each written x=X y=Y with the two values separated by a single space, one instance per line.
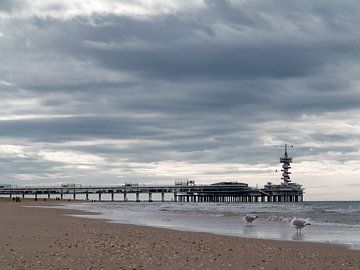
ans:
x=286 y=160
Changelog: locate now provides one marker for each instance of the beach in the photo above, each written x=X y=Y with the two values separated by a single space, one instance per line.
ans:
x=49 y=238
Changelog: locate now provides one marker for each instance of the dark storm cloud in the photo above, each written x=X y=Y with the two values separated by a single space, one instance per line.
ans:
x=186 y=46
x=170 y=47
x=167 y=49
x=201 y=85
x=180 y=52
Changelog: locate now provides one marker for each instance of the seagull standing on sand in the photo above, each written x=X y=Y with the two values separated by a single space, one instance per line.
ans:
x=250 y=218
x=299 y=224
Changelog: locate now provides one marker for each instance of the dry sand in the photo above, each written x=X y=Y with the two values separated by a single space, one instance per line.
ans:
x=38 y=238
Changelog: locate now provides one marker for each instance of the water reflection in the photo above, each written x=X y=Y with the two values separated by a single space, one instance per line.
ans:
x=298 y=237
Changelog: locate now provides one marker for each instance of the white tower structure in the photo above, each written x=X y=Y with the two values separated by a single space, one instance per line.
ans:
x=286 y=160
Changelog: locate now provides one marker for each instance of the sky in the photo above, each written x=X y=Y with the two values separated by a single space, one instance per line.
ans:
x=112 y=91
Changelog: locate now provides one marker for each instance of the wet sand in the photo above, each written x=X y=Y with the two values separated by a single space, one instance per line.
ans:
x=40 y=238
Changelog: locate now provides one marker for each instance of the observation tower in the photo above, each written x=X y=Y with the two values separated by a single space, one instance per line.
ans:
x=286 y=161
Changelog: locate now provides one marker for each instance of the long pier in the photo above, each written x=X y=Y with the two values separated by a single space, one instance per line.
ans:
x=182 y=191
x=218 y=192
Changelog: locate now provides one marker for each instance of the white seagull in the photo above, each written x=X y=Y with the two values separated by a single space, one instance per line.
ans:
x=299 y=224
x=250 y=218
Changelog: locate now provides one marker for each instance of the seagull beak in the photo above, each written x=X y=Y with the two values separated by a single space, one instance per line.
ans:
x=308 y=224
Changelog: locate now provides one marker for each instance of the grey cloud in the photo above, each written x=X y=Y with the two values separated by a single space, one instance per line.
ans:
x=205 y=86
x=176 y=52
x=10 y=5
x=68 y=128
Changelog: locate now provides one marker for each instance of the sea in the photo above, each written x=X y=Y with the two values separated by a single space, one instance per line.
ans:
x=331 y=222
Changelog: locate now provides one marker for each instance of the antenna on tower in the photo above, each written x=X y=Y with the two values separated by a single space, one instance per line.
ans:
x=286 y=161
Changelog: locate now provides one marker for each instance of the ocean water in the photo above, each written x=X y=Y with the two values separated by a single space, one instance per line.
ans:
x=331 y=222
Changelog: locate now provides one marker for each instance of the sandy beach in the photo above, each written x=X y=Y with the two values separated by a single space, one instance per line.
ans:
x=41 y=238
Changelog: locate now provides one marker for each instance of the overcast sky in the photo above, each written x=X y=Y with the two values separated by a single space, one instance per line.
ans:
x=111 y=91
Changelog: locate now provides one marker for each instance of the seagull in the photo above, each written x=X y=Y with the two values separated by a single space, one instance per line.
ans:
x=299 y=224
x=250 y=218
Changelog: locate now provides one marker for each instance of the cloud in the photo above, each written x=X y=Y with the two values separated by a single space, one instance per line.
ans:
x=8 y=6
x=71 y=157
x=70 y=9
x=157 y=90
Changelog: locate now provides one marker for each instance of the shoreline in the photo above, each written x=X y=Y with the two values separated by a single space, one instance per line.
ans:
x=50 y=238
x=271 y=225
x=88 y=215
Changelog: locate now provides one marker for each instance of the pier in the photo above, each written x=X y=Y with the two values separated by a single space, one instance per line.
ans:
x=181 y=191
x=218 y=192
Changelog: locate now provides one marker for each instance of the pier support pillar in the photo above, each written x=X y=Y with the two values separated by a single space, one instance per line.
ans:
x=150 y=197
x=61 y=196
x=125 y=198
x=99 y=197
x=137 y=197
x=48 y=195
x=87 y=196
x=23 y=195
x=163 y=197
x=74 y=196
x=175 y=197
x=112 y=196
x=35 y=196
